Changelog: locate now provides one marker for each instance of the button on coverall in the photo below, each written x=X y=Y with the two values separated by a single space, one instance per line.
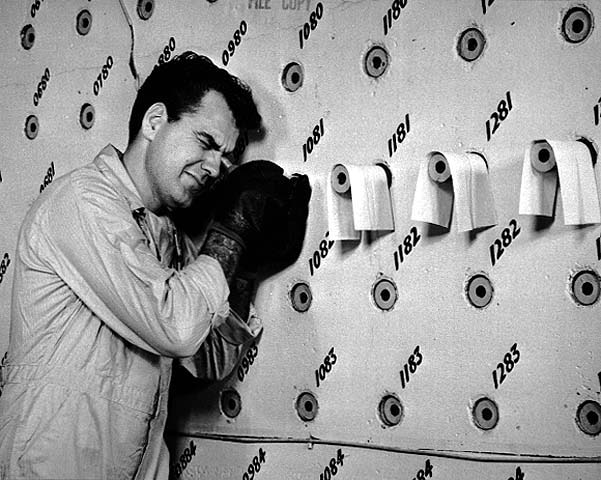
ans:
x=98 y=314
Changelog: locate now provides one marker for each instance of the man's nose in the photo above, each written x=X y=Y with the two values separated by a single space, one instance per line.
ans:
x=212 y=164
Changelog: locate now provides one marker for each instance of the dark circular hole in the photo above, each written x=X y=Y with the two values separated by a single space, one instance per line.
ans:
x=577 y=25
x=440 y=167
x=231 y=404
x=486 y=414
x=303 y=297
x=587 y=288
x=592 y=418
x=89 y=117
x=33 y=127
x=295 y=77
x=395 y=410
x=375 y=62
x=148 y=7
x=85 y=22
x=472 y=44
x=341 y=178
x=385 y=295
x=308 y=406
x=544 y=155
x=481 y=291
x=31 y=38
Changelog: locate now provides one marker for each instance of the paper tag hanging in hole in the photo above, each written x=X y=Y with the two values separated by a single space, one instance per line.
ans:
x=467 y=188
x=358 y=199
x=574 y=173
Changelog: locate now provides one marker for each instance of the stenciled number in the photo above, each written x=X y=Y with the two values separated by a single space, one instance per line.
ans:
x=324 y=248
x=247 y=361
x=503 y=109
x=332 y=468
x=519 y=475
x=393 y=13
x=168 y=49
x=232 y=44
x=597 y=113
x=254 y=466
x=4 y=266
x=424 y=472
x=326 y=367
x=37 y=95
x=510 y=359
x=2 y=363
x=35 y=7
x=497 y=248
x=405 y=248
x=414 y=361
x=48 y=178
x=308 y=27
x=103 y=75
x=399 y=136
x=184 y=459
x=485 y=4
x=312 y=141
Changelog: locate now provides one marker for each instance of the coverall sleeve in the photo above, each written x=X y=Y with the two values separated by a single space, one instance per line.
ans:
x=230 y=335
x=101 y=253
x=223 y=347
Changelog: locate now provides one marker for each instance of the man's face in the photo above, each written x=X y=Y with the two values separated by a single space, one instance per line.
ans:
x=186 y=156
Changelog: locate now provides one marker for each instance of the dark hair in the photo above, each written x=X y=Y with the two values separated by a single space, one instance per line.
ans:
x=181 y=84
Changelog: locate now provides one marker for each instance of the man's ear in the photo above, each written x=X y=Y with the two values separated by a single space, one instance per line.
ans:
x=154 y=118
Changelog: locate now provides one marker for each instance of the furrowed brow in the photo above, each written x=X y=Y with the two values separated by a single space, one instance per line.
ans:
x=209 y=139
x=211 y=142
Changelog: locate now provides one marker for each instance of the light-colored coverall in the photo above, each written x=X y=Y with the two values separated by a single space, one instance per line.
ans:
x=99 y=311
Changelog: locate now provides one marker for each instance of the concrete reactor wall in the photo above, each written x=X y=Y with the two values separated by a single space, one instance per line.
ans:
x=443 y=320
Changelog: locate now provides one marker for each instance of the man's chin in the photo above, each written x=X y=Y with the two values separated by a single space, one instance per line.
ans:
x=190 y=200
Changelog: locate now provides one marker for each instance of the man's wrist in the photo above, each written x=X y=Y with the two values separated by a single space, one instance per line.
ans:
x=225 y=250
x=228 y=232
x=241 y=292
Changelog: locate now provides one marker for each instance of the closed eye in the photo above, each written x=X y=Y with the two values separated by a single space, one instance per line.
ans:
x=207 y=141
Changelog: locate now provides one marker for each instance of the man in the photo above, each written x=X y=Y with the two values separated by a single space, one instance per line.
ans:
x=107 y=290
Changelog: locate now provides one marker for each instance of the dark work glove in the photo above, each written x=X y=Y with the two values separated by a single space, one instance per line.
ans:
x=258 y=206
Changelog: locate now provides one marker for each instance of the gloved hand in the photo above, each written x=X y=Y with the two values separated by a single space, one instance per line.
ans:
x=265 y=211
